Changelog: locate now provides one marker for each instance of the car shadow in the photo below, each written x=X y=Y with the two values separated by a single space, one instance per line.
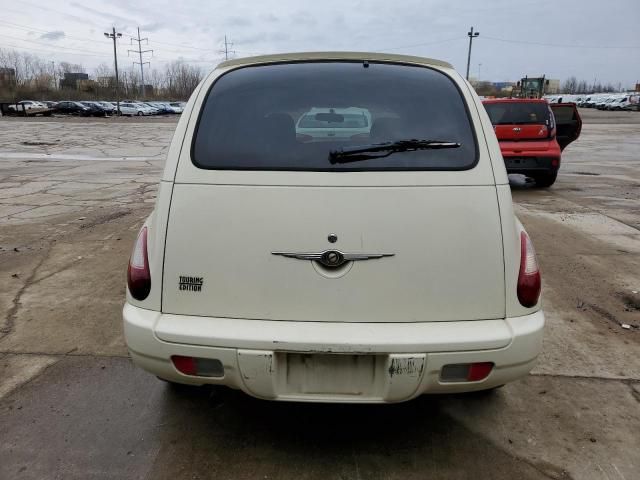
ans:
x=254 y=438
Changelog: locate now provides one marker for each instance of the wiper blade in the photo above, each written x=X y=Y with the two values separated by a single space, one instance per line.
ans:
x=362 y=152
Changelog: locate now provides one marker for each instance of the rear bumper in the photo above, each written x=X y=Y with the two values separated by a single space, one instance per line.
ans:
x=406 y=358
x=528 y=165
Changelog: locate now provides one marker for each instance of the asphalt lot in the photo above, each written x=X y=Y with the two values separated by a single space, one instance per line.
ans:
x=72 y=406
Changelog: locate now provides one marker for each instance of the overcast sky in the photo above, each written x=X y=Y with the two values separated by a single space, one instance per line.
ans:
x=591 y=39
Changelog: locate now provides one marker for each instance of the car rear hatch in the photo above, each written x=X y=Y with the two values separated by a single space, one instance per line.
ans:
x=518 y=120
x=246 y=214
x=568 y=123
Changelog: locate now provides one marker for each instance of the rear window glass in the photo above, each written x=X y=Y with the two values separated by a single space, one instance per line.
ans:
x=290 y=116
x=518 y=113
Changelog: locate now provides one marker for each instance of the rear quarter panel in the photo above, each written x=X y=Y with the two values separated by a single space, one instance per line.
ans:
x=511 y=228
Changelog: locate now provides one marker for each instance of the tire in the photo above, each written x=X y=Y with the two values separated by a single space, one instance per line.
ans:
x=139 y=113
x=546 y=179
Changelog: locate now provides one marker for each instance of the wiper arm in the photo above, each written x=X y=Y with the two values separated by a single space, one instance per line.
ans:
x=362 y=152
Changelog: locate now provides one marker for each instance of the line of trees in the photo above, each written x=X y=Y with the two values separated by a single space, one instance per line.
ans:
x=28 y=76
x=572 y=86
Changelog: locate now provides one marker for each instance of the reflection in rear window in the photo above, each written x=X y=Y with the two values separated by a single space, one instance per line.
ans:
x=347 y=120
x=518 y=113
x=290 y=116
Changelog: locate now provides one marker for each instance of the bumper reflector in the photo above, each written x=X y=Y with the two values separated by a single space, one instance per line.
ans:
x=466 y=372
x=200 y=367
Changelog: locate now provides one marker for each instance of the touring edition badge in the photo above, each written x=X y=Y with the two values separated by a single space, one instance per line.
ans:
x=190 y=284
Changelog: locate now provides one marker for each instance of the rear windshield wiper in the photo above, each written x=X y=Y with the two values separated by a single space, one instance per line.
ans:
x=362 y=152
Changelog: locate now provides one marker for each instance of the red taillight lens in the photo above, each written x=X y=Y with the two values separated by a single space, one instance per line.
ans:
x=479 y=371
x=186 y=365
x=466 y=372
x=201 y=367
x=529 y=281
x=138 y=274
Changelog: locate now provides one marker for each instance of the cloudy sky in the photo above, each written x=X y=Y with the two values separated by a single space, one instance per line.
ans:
x=591 y=39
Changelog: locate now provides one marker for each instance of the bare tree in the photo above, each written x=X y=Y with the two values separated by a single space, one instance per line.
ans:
x=34 y=77
x=570 y=85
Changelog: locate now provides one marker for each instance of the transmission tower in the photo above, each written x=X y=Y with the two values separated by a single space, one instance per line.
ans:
x=139 y=51
x=226 y=50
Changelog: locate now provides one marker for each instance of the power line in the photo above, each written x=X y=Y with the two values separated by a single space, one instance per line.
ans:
x=424 y=44
x=57 y=46
x=20 y=47
x=185 y=46
x=40 y=30
x=139 y=51
x=66 y=15
x=561 y=45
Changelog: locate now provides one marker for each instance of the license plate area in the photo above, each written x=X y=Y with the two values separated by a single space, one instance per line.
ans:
x=521 y=162
x=331 y=374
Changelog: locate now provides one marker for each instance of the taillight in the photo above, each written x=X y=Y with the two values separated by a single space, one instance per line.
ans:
x=201 y=367
x=529 y=281
x=138 y=274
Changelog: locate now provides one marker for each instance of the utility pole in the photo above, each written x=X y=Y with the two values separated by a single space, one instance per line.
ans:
x=226 y=50
x=471 y=36
x=139 y=51
x=114 y=35
x=53 y=74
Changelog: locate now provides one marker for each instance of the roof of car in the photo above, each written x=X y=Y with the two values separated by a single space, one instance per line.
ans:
x=301 y=56
x=514 y=100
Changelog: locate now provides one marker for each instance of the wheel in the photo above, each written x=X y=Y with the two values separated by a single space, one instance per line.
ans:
x=546 y=179
x=139 y=114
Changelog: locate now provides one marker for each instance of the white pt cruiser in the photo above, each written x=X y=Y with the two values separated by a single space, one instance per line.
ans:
x=372 y=267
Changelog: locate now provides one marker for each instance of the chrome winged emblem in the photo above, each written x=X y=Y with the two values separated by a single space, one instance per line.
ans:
x=332 y=258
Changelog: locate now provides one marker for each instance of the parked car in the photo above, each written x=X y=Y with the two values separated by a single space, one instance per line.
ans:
x=131 y=109
x=532 y=135
x=178 y=107
x=70 y=107
x=619 y=103
x=109 y=107
x=27 y=105
x=162 y=107
x=603 y=104
x=334 y=270
x=594 y=100
x=96 y=109
x=584 y=102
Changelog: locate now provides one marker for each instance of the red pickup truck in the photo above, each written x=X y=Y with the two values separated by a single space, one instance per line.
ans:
x=532 y=135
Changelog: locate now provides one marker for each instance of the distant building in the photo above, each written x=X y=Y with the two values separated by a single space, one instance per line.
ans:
x=106 y=82
x=7 y=76
x=553 y=86
x=71 y=80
